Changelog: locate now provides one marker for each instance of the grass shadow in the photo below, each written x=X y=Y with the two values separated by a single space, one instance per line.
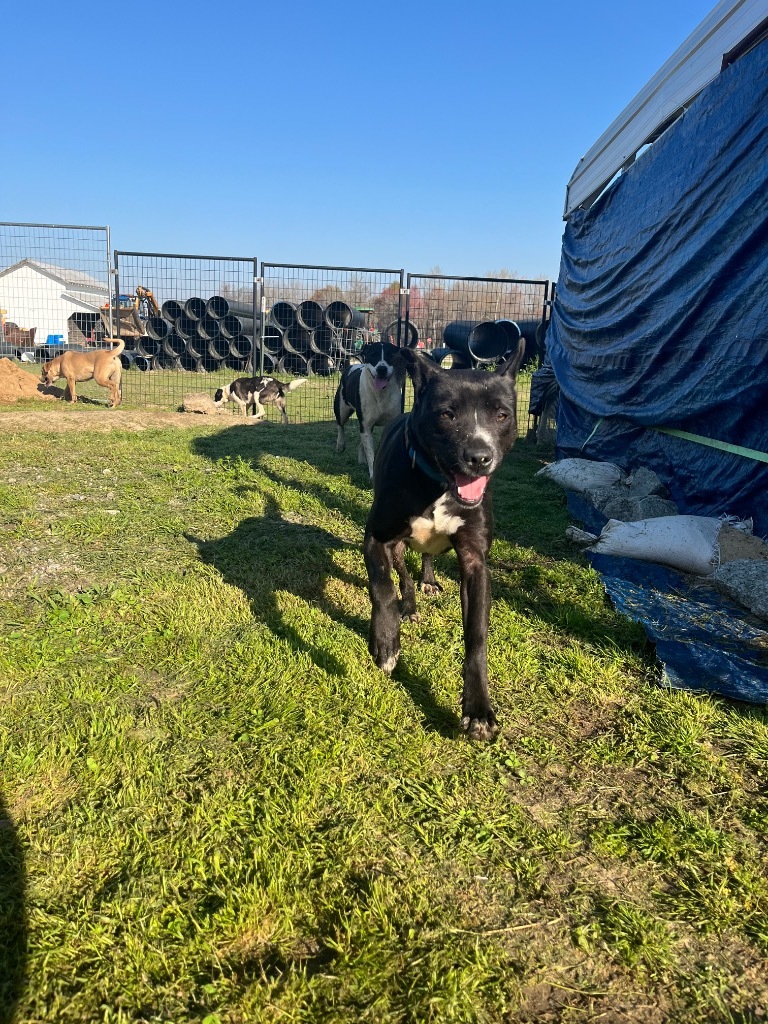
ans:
x=13 y=917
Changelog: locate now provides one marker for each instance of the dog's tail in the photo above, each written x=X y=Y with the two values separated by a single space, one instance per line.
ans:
x=118 y=348
x=296 y=383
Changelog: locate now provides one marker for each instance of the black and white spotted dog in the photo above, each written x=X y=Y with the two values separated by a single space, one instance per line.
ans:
x=372 y=390
x=256 y=392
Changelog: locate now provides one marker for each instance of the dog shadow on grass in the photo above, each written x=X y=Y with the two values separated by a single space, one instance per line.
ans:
x=13 y=917
x=268 y=556
x=274 y=553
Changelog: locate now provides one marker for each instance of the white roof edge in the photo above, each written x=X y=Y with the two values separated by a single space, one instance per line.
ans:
x=692 y=66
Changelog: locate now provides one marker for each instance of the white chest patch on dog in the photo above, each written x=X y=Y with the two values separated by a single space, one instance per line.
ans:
x=431 y=533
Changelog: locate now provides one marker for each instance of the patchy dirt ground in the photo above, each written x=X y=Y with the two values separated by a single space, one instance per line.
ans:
x=62 y=420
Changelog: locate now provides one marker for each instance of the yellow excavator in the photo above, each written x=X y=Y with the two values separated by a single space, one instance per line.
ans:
x=134 y=311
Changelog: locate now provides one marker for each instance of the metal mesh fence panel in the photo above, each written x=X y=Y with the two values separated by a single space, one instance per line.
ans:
x=315 y=320
x=190 y=324
x=54 y=288
x=476 y=322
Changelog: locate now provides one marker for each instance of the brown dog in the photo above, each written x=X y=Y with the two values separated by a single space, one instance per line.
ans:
x=103 y=365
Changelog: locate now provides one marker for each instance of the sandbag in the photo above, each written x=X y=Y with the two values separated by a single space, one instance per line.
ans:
x=688 y=543
x=581 y=474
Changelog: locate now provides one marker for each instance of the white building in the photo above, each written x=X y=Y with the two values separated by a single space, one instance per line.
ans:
x=43 y=296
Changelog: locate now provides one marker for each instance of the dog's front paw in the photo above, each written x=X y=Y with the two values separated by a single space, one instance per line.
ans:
x=410 y=616
x=483 y=727
x=385 y=653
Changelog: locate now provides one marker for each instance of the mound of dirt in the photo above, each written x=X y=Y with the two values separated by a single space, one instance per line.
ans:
x=16 y=384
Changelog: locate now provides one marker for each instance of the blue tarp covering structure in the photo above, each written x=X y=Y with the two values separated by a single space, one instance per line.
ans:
x=660 y=320
x=661 y=312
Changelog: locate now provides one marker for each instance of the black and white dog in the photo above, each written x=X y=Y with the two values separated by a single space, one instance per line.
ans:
x=256 y=392
x=372 y=390
x=430 y=491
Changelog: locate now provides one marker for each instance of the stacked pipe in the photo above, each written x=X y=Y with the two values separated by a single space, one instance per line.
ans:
x=308 y=339
x=469 y=343
x=300 y=339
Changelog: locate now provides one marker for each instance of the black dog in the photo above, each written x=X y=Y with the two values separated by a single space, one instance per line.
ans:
x=256 y=392
x=373 y=390
x=431 y=492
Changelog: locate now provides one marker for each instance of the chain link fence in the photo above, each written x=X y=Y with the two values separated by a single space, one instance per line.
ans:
x=315 y=320
x=190 y=324
x=54 y=287
x=475 y=322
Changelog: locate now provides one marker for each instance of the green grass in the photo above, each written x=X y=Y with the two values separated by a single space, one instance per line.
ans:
x=215 y=808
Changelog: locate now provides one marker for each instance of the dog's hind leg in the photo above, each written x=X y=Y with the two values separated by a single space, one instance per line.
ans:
x=384 y=637
x=342 y=412
x=477 y=717
x=407 y=589
x=427 y=582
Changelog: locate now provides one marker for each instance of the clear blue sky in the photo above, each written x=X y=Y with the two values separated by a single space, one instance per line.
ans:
x=419 y=135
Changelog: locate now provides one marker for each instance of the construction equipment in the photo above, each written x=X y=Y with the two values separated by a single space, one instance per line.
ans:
x=132 y=311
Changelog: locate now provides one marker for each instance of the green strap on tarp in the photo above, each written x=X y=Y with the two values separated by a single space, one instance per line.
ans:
x=723 y=446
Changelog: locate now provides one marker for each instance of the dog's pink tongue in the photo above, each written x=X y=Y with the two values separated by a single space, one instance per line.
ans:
x=380 y=383
x=470 y=488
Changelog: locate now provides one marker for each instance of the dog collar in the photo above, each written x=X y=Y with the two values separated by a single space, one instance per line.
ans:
x=417 y=459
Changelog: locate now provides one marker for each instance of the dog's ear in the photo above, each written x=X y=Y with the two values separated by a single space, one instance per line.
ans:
x=421 y=369
x=512 y=365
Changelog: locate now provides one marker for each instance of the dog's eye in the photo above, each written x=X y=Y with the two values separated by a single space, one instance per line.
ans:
x=446 y=414
x=501 y=415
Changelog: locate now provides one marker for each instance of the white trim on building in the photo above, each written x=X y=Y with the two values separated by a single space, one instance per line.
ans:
x=691 y=67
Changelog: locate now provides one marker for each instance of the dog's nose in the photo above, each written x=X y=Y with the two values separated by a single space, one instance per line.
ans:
x=478 y=458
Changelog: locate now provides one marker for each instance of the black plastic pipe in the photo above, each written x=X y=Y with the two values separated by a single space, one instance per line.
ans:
x=297 y=340
x=148 y=347
x=173 y=345
x=194 y=308
x=310 y=314
x=272 y=340
x=408 y=337
x=341 y=314
x=196 y=347
x=294 y=364
x=232 y=325
x=484 y=341
x=321 y=366
x=218 y=348
x=158 y=328
x=217 y=306
x=283 y=314
x=166 y=361
x=242 y=347
x=324 y=340
x=208 y=328
x=172 y=310
x=185 y=328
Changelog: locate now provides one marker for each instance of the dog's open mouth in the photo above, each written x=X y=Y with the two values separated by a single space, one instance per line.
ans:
x=380 y=383
x=469 y=490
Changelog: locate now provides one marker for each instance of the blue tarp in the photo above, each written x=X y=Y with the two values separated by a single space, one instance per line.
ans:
x=661 y=310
